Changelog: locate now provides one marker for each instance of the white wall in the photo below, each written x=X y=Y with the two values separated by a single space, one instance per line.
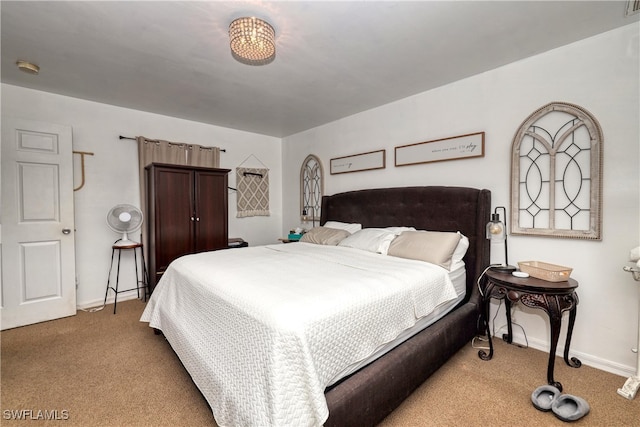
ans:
x=111 y=174
x=599 y=74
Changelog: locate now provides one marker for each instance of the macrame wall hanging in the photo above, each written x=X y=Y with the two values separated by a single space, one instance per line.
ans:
x=252 y=190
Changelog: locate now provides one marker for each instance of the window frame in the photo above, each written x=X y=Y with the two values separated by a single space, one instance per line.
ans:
x=581 y=118
x=311 y=195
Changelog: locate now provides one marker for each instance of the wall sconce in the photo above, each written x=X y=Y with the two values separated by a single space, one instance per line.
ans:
x=497 y=232
x=313 y=215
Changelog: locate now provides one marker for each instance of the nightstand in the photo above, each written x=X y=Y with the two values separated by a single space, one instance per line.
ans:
x=553 y=298
x=237 y=242
x=285 y=240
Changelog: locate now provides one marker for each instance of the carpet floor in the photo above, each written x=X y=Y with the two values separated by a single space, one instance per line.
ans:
x=101 y=369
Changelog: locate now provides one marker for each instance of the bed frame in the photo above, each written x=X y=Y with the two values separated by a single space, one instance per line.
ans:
x=370 y=394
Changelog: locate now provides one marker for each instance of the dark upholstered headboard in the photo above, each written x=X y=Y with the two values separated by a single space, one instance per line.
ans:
x=431 y=208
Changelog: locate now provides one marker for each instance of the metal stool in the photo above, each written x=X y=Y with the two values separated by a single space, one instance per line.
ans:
x=140 y=284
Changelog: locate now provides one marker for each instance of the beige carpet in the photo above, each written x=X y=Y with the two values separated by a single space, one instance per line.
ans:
x=100 y=369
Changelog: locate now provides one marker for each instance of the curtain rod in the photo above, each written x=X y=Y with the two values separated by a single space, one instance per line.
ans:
x=155 y=140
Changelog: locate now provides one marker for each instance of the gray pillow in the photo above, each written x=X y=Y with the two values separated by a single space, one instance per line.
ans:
x=324 y=236
x=435 y=247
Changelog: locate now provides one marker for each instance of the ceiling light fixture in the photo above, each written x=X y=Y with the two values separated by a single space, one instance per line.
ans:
x=28 y=67
x=252 y=41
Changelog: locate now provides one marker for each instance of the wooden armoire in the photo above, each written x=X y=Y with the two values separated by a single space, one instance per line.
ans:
x=186 y=213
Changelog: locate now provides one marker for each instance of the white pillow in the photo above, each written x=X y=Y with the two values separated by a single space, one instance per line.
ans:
x=350 y=227
x=461 y=249
x=375 y=240
x=398 y=230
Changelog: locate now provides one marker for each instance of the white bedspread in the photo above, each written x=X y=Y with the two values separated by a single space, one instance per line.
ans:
x=263 y=330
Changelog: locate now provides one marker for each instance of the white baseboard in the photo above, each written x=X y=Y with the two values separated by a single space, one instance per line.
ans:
x=586 y=359
x=125 y=296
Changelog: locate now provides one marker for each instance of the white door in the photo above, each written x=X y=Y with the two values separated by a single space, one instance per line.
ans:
x=38 y=250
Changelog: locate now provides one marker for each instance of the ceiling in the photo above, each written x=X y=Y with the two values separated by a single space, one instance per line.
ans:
x=334 y=58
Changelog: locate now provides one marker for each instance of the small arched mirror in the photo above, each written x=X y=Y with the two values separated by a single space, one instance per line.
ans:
x=556 y=174
x=311 y=189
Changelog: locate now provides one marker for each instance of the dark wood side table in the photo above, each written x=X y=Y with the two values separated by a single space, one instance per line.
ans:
x=552 y=297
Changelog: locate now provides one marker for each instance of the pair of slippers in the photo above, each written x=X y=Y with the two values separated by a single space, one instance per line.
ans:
x=564 y=406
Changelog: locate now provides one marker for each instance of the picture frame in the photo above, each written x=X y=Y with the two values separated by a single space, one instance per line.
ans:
x=569 y=142
x=358 y=162
x=438 y=150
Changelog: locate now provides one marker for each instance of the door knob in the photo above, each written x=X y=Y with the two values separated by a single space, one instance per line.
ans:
x=66 y=231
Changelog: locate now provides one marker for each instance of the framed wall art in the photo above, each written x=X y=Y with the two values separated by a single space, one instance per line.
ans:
x=556 y=174
x=358 y=162
x=438 y=150
x=311 y=187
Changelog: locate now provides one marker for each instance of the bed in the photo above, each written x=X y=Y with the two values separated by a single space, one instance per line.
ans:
x=264 y=360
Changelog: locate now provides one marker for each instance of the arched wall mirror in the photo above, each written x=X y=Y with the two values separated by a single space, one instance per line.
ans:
x=311 y=189
x=556 y=174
